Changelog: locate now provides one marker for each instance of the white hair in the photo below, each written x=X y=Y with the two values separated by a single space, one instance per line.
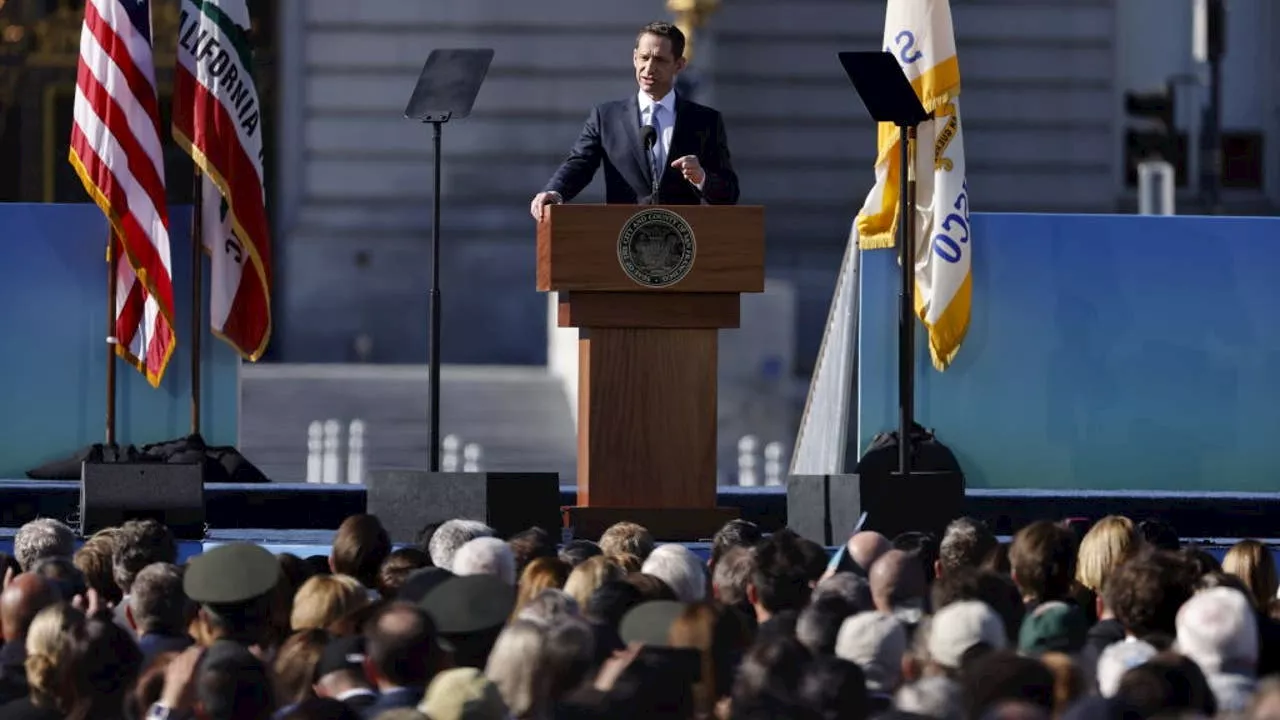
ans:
x=486 y=556
x=680 y=569
x=516 y=666
x=550 y=606
x=42 y=538
x=452 y=535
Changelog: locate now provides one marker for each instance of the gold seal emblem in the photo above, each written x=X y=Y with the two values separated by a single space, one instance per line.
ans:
x=656 y=248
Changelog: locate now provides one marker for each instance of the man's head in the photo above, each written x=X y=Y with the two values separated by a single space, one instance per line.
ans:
x=359 y=547
x=1043 y=561
x=139 y=544
x=42 y=538
x=866 y=547
x=158 y=603
x=658 y=58
x=400 y=646
x=967 y=542
x=25 y=596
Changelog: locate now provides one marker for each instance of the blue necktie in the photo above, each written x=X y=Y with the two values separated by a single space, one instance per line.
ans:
x=656 y=124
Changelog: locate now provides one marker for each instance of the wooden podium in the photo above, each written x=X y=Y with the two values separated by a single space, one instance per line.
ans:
x=649 y=288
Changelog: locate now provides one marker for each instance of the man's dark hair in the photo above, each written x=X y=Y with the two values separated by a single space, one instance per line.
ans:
x=232 y=684
x=138 y=544
x=923 y=546
x=835 y=688
x=780 y=573
x=359 y=548
x=664 y=30
x=576 y=552
x=1043 y=560
x=1166 y=683
x=987 y=586
x=819 y=623
x=63 y=573
x=1003 y=675
x=1146 y=591
x=400 y=641
x=967 y=542
x=1159 y=534
x=529 y=545
x=735 y=533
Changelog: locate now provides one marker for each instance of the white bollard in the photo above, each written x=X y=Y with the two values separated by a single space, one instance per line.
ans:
x=773 y=463
x=332 y=439
x=747 y=474
x=1157 y=180
x=449 y=446
x=471 y=458
x=315 y=448
x=355 y=452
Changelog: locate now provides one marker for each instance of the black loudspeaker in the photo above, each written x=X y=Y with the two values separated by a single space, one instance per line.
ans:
x=826 y=508
x=407 y=500
x=111 y=493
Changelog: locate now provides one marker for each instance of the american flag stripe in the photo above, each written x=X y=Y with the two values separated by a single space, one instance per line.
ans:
x=116 y=150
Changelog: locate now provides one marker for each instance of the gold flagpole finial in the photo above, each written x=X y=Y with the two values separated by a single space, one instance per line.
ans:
x=690 y=16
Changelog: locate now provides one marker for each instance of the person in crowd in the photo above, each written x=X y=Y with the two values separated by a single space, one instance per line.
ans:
x=1042 y=559
x=627 y=538
x=325 y=599
x=233 y=584
x=453 y=534
x=42 y=538
x=138 y=544
x=340 y=673
x=966 y=543
x=486 y=556
x=159 y=610
x=398 y=566
x=24 y=597
x=360 y=546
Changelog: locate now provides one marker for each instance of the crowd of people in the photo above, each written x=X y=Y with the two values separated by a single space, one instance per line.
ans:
x=1113 y=620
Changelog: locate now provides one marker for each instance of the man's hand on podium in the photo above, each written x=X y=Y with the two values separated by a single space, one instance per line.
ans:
x=540 y=202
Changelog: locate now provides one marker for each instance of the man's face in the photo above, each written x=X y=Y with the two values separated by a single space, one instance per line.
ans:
x=656 y=65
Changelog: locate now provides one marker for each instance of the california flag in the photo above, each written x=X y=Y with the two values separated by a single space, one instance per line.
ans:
x=217 y=119
x=919 y=34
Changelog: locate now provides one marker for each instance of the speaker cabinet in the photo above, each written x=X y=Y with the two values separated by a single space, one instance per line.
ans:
x=173 y=494
x=824 y=508
x=827 y=508
x=407 y=500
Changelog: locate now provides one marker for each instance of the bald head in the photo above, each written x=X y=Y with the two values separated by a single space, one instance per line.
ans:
x=896 y=578
x=26 y=596
x=866 y=547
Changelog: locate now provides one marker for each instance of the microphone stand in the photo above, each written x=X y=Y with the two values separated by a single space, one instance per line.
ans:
x=650 y=138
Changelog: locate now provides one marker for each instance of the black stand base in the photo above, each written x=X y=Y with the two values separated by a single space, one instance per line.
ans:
x=827 y=508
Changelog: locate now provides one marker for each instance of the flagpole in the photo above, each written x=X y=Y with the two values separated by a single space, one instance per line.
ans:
x=112 y=285
x=197 y=294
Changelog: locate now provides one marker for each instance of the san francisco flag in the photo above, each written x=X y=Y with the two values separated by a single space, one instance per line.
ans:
x=920 y=36
x=115 y=149
x=217 y=119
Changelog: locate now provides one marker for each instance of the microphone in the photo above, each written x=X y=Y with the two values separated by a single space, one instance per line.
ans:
x=650 y=137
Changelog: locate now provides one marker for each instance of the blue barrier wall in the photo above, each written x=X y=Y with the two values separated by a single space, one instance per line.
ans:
x=1105 y=352
x=52 y=369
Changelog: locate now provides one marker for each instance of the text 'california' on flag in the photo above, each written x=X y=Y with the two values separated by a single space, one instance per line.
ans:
x=115 y=149
x=217 y=119
x=920 y=36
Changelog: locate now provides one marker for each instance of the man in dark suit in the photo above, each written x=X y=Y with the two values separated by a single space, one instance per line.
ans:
x=652 y=133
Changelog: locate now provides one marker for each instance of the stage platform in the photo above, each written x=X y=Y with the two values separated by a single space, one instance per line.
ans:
x=301 y=507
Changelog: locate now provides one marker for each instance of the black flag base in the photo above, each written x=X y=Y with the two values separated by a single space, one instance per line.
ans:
x=222 y=464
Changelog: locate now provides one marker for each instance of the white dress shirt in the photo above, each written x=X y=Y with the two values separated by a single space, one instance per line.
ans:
x=666 y=119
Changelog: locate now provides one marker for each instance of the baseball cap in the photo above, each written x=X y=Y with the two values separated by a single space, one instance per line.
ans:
x=959 y=627
x=1219 y=630
x=1053 y=627
x=876 y=642
x=342 y=653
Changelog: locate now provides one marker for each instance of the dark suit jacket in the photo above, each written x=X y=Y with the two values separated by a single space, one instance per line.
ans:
x=399 y=698
x=611 y=137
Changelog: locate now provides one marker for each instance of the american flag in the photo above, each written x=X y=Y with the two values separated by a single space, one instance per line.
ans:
x=115 y=148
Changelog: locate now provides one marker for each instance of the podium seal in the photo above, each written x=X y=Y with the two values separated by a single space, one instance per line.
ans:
x=656 y=248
